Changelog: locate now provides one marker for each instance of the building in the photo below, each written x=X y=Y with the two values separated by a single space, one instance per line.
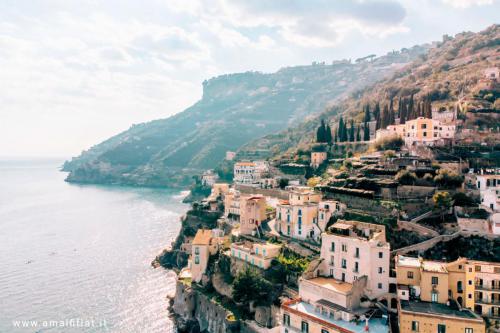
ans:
x=428 y=132
x=351 y=250
x=252 y=213
x=202 y=247
x=317 y=158
x=469 y=285
x=209 y=178
x=327 y=209
x=268 y=183
x=445 y=116
x=492 y=73
x=244 y=173
x=420 y=131
x=489 y=191
x=232 y=205
x=297 y=216
x=428 y=317
x=256 y=254
x=230 y=155
x=317 y=312
x=219 y=190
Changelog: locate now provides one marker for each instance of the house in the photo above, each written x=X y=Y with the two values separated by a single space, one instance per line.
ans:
x=268 y=183
x=467 y=285
x=219 y=190
x=252 y=213
x=297 y=216
x=489 y=190
x=317 y=158
x=204 y=245
x=330 y=305
x=327 y=209
x=428 y=132
x=209 y=178
x=351 y=250
x=492 y=73
x=245 y=173
x=230 y=155
x=232 y=205
x=256 y=254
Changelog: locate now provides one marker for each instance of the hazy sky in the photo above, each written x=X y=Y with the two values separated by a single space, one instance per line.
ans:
x=74 y=73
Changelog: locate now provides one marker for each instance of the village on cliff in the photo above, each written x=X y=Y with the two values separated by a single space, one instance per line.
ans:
x=390 y=226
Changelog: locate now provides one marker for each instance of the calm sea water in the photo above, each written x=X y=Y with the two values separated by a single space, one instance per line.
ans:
x=71 y=254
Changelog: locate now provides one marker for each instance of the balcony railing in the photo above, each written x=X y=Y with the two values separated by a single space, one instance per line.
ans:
x=488 y=288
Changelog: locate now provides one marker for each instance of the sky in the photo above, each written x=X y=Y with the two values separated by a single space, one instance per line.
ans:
x=74 y=73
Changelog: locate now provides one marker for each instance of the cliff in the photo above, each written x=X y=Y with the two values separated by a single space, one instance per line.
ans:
x=234 y=110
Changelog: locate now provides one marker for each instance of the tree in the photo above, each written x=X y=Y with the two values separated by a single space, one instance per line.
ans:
x=366 y=132
x=410 y=114
x=405 y=177
x=351 y=131
x=367 y=114
x=358 y=133
x=328 y=134
x=249 y=286
x=392 y=121
x=404 y=112
x=428 y=109
x=283 y=183
x=320 y=133
x=448 y=179
x=376 y=114
x=341 y=130
x=442 y=202
x=335 y=136
x=463 y=200
x=385 y=117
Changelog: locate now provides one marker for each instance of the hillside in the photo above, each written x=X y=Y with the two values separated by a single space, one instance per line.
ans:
x=449 y=75
x=234 y=110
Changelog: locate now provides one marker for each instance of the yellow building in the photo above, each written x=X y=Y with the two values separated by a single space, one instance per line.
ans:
x=252 y=213
x=473 y=285
x=317 y=158
x=203 y=246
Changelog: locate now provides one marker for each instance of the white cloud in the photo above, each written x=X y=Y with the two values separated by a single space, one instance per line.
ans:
x=467 y=3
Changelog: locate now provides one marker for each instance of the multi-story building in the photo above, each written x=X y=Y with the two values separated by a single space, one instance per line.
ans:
x=202 y=247
x=420 y=131
x=297 y=216
x=232 y=205
x=328 y=305
x=252 y=213
x=327 y=209
x=245 y=173
x=463 y=285
x=255 y=254
x=489 y=190
x=317 y=158
x=352 y=249
x=209 y=178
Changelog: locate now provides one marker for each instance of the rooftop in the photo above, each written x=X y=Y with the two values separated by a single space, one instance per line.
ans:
x=376 y=325
x=360 y=230
x=332 y=284
x=202 y=237
x=408 y=261
x=434 y=266
x=438 y=309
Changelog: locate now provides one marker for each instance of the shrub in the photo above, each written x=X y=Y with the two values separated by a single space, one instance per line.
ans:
x=389 y=143
x=463 y=200
x=405 y=177
x=249 y=286
x=448 y=179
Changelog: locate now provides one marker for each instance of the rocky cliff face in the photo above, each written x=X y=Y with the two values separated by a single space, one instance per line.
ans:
x=234 y=110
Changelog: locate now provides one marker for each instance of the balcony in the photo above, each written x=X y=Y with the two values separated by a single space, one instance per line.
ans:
x=355 y=270
x=487 y=288
x=488 y=302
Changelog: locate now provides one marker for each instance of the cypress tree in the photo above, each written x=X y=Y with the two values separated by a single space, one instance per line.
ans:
x=376 y=114
x=419 y=110
x=410 y=114
x=367 y=113
x=400 y=106
x=366 y=132
x=403 y=115
x=391 y=114
x=351 y=132
x=328 y=134
x=335 y=136
x=320 y=133
x=358 y=134
x=341 y=130
x=385 y=117
x=428 y=109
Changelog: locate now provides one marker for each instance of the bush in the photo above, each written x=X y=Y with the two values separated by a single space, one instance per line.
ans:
x=463 y=200
x=390 y=143
x=405 y=177
x=448 y=179
x=249 y=286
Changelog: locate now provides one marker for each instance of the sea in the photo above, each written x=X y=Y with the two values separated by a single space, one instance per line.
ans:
x=77 y=258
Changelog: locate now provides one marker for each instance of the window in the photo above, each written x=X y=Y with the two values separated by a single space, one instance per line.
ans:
x=470 y=282
x=409 y=275
x=414 y=326
x=332 y=248
x=459 y=286
x=286 y=319
x=380 y=285
x=332 y=260
x=434 y=297
x=264 y=252
x=469 y=330
x=197 y=260
x=424 y=126
x=256 y=250
x=196 y=250
x=300 y=212
x=425 y=133
x=324 y=331
x=380 y=270
x=441 y=328
x=356 y=267
x=435 y=280
x=380 y=255
x=344 y=263
x=304 y=327
x=344 y=248
x=356 y=254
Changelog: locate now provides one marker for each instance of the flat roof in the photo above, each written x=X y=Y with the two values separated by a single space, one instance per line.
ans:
x=434 y=266
x=438 y=309
x=376 y=325
x=332 y=284
x=342 y=226
x=408 y=261
x=202 y=237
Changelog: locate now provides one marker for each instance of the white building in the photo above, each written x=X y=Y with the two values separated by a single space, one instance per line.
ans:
x=244 y=173
x=352 y=249
x=489 y=191
x=230 y=155
x=255 y=254
x=209 y=178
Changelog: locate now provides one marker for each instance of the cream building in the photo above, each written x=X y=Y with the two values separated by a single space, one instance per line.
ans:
x=327 y=209
x=297 y=216
x=317 y=158
x=232 y=205
x=252 y=213
x=351 y=250
x=202 y=247
x=209 y=178
x=245 y=173
x=256 y=254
